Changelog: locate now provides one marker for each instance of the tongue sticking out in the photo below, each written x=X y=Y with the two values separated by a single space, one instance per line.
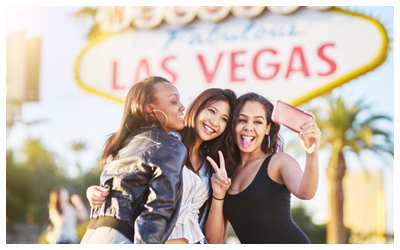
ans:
x=246 y=142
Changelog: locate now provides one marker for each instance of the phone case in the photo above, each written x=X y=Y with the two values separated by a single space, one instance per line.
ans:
x=289 y=116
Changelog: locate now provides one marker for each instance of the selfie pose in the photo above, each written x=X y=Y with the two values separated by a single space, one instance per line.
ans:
x=257 y=202
x=142 y=167
x=204 y=133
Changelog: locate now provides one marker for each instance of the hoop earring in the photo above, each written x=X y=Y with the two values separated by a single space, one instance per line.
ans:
x=166 y=118
x=265 y=142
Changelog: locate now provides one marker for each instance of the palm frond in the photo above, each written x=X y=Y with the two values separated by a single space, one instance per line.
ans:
x=85 y=12
x=344 y=126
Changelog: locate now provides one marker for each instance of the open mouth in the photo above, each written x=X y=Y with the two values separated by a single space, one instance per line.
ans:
x=208 y=128
x=247 y=140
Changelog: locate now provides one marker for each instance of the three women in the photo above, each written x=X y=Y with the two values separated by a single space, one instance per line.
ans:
x=258 y=202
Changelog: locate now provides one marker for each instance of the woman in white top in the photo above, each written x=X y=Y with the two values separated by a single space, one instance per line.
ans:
x=206 y=121
x=63 y=216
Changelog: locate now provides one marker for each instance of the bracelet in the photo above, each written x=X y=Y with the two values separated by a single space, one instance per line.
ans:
x=218 y=199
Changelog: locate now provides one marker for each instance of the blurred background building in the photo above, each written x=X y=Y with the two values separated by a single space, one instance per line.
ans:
x=365 y=206
x=22 y=73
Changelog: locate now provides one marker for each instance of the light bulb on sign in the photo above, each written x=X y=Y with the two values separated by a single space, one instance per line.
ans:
x=148 y=17
x=319 y=7
x=247 y=11
x=213 y=13
x=181 y=15
x=114 y=18
x=282 y=9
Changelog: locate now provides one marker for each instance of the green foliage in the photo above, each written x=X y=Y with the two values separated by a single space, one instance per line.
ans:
x=77 y=147
x=315 y=233
x=30 y=180
x=342 y=127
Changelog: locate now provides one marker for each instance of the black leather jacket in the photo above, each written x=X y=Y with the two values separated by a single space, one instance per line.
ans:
x=145 y=187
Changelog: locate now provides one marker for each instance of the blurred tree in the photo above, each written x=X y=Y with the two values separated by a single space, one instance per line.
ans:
x=30 y=179
x=92 y=177
x=315 y=233
x=77 y=147
x=29 y=182
x=344 y=129
x=14 y=177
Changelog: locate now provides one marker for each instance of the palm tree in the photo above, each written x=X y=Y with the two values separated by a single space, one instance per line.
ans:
x=78 y=147
x=344 y=130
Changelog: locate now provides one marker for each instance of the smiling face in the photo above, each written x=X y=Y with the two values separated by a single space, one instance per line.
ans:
x=211 y=122
x=167 y=108
x=251 y=127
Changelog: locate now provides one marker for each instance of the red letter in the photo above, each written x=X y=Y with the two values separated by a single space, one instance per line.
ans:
x=209 y=75
x=304 y=69
x=275 y=65
x=164 y=67
x=114 y=77
x=234 y=65
x=143 y=63
x=331 y=63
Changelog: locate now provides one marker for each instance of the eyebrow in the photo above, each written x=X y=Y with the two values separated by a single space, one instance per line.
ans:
x=218 y=109
x=174 y=94
x=260 y=116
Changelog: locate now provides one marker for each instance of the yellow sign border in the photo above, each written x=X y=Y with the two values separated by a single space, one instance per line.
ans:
x=376 y=62
x=91 y=43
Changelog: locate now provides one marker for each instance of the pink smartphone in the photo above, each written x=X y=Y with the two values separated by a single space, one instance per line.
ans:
x=289 y=116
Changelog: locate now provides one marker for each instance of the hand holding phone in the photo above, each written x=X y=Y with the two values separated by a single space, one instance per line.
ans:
x=289 y=116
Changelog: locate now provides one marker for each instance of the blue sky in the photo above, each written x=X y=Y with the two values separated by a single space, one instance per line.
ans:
x=70 y=114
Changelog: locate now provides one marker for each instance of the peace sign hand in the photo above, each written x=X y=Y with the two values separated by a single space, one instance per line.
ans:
x=219 y=180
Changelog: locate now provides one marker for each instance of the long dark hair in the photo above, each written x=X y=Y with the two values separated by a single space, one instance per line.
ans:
x=55 y=200
x=134 y=116
x=208 y=148
x=275 y=139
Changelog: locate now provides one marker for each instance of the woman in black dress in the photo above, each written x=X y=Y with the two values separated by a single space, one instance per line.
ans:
x=257 y=201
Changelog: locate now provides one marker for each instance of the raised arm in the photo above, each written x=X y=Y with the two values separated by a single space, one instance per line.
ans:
x=303 y=184
x=81 y=212
x=216 y=226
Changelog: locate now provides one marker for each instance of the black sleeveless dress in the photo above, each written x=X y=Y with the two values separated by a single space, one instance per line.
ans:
x=260 y=214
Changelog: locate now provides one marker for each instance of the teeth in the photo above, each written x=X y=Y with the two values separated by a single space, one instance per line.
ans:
x=209 y=129
x=247 y=137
